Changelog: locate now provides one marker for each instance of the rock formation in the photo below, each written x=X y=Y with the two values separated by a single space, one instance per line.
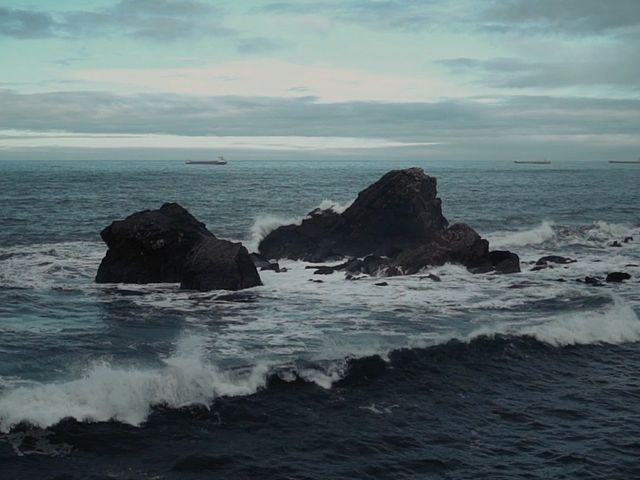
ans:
x=396 y=224
x=170 y=245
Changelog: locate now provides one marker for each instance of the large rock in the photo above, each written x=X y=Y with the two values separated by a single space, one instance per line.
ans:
x=397 y=224
x=397 y=212
x=214 y=264
x=156 y=246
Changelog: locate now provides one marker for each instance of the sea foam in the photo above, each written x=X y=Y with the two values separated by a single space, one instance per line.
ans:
x=616 y=324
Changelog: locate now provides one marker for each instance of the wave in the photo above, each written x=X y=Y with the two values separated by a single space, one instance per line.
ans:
x=539 y=234
x=596 y=234
x=265 y=224
x=48 y=264
x=337 y=207
x=617 y=324
x=111 y=393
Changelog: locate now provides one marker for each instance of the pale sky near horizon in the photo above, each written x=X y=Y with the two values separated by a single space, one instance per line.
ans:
x=445 y=79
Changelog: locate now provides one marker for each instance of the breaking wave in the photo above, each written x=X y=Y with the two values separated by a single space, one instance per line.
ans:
x=539 y=234
x=265 y=224
x=617 y=324
x=128 y=395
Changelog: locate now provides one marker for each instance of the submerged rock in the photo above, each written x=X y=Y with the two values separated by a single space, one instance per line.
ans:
x=593 y=281
x=396 y=224
x=169 y=245
x=617 y=277
x=554 y=259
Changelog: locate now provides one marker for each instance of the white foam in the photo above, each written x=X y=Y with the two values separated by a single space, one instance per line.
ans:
x=52 y=264
x=105 y=392
x=605 y=231
x=616 y=324
x=265 y=224
x=539 y=234
x=337 y=207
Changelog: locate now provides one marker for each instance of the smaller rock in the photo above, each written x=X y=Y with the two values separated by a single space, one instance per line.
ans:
x=351 y=276
x=215 y=264
x=283 y=270
x=615 y=244
x=316 y=281
x=554 y=259
x=274 y=266
x=628 y=239
x=324 y=271
x=504 y=261
x=617 y=277
x=381 y=284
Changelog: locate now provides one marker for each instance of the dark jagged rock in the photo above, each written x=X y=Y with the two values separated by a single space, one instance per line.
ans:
x=617 y=277
x=397 y=225
x=397 y=212
x=215 y=264
x=554 y=259
x=153 y=246
x=628 y=239
x=615 y=244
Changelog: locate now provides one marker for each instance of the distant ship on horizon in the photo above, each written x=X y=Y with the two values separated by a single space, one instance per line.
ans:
x=533 y=162
x=219 y=161
x=625 y=161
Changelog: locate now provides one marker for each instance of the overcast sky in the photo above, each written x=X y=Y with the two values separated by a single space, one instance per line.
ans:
x=445 y=79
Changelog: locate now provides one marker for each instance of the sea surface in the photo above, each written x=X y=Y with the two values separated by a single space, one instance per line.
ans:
x=531 y=375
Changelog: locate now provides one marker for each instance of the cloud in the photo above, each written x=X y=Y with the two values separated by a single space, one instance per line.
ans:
x=257 y=45
x=26 y=24
x=158 y=20
x=499 y=127
x=566 y=16
x=443 y=121
x=555 y=17
x=272 y=77
x=617 y=67
x=406 y=15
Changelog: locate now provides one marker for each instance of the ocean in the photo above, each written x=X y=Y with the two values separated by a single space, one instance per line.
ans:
x=530 y=375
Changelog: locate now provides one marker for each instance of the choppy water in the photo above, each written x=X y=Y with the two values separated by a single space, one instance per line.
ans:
x=531 y=375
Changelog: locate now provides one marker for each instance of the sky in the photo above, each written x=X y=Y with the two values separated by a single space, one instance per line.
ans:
x=429 y=79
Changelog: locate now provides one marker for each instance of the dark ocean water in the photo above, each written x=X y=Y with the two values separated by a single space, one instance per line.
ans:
x=533 y=375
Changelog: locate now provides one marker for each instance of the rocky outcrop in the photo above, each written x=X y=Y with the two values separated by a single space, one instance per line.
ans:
x=397 y=212
x=170 y=245
x=396 y=225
